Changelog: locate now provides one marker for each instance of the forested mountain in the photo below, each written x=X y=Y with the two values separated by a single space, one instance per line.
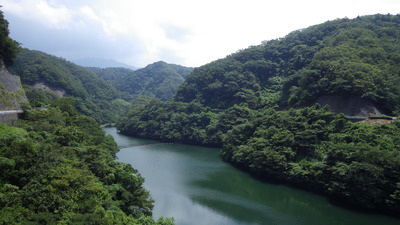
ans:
x=357 y=57
x=258 y=105
x=58 y=166
x=159 y=79
x=93 y=96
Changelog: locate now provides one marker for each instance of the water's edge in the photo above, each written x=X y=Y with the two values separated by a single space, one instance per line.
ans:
x=193 y=185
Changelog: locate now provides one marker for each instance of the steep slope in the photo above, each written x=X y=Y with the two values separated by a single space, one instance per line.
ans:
x=257 y=104
x=12 y=93
x=94 y=96
x=112 y=75
x=159 y=79
x=344 y=57
x=58 y=166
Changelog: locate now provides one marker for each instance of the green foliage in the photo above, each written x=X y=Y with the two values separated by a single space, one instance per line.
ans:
x=8 y=47
x=357 y=57
x=354 y=162
x=59 y=167
x=37 y=67
x=170 y=121
x=159 y=80
x=245 y=102
x=38 y=97
x=94 y=96
x=4 y=129
x=220 y=85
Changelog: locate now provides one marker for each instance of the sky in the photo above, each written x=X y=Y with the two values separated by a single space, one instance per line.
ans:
x=185 y=32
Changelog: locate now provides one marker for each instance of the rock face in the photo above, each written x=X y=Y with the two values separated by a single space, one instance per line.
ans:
x=11 y=92
x=350 y=105
x=59 y=92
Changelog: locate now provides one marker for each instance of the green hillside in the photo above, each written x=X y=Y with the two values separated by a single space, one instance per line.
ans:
x=93 y=96
x=343 y=57
x=258 y=105
x=8 y=47
x=112 y=75
x=159 y=79
x=57 y=165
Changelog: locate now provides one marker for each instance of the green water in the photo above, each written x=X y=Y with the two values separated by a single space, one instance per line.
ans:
x=194 y=186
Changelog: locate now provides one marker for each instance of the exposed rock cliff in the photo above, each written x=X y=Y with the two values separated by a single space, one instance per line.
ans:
x=350 y=105
x=11 y=92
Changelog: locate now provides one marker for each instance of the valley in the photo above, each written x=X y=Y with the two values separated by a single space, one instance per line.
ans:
x=264 y=134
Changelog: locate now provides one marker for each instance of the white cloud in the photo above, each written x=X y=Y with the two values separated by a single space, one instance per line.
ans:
x=54 y=15
x=186 y=32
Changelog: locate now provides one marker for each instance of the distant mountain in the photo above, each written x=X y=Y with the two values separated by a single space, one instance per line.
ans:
x=102 y=63
x=159 y=79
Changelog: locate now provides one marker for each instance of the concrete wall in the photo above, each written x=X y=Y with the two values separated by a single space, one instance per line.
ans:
x=8 y=118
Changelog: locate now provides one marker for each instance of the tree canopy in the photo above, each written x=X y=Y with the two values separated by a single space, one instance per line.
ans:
x=93 y=96
x=258 y=105
x=341 y=57
x=158 y=79
x=8 y=47
x=58 y=166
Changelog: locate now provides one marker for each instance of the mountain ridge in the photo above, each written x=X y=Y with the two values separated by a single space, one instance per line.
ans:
x=158 y=79
x=258 y=105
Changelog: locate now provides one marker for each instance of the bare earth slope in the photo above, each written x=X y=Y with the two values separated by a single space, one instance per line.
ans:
x=350 y=105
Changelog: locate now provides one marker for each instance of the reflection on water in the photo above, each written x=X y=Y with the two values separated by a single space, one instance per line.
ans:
x=194 y=186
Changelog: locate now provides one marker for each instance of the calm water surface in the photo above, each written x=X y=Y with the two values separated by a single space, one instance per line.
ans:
x=194 y=186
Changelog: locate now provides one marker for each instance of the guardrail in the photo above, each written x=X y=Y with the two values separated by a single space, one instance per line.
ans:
x=10 y=111
x=8 y=116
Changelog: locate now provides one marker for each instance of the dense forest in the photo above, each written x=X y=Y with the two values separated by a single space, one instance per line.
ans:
x=58 y=166
x=92 y=95
x=258 y=105
x=343 y=57
x=8 y=47
x=104 y=94
x=159 y=80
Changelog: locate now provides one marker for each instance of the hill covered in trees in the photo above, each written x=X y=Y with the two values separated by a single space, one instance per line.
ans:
x=58 y=166
x=49 y=74
x=258 y=105
x=159 y=79
x=357 y=57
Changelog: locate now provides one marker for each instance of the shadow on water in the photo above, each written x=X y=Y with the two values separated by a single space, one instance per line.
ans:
x=193 y=185
x=250 y=201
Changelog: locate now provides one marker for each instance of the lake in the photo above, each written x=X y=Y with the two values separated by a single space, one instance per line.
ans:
x=194 y=186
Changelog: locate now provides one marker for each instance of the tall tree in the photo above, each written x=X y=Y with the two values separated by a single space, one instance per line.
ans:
x=8 y=47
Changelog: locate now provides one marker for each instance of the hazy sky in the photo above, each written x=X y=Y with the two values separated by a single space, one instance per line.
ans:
x=186 y=32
